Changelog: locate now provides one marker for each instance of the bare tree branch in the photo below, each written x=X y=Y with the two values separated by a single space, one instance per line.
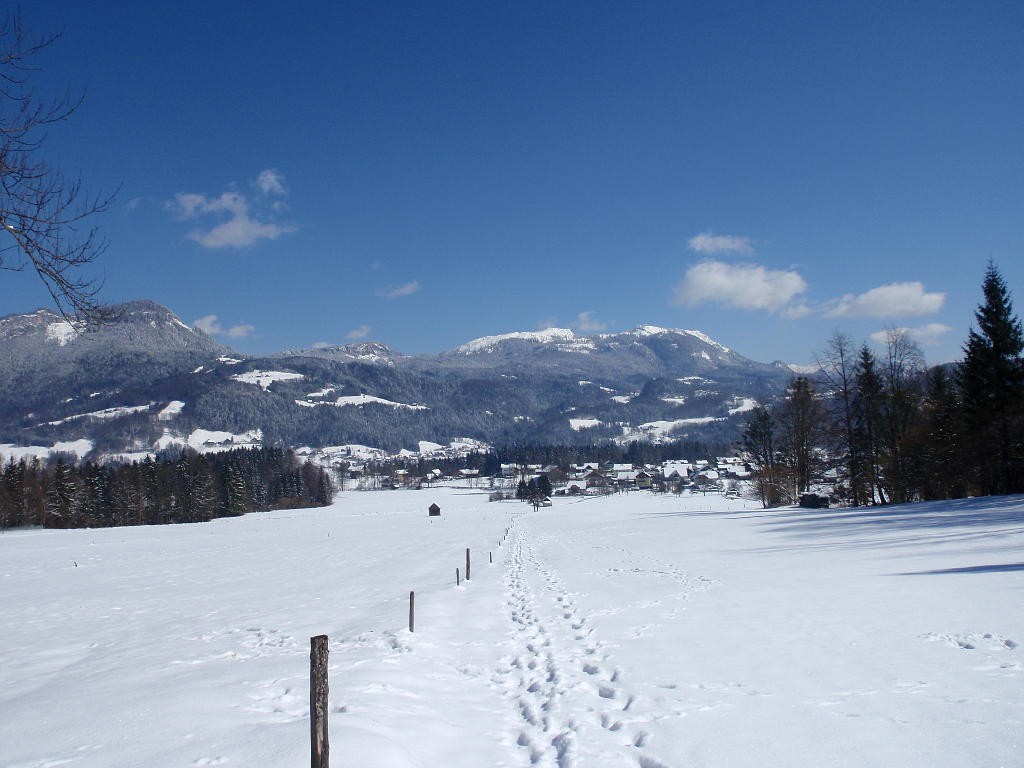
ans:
x=44 y=214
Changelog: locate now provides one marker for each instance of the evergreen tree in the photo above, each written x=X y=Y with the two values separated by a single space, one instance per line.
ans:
x=868 y=422
x=759 y=444
x=522 y=490
x=236 y=499
x=60 y=497
x=800 y=419
x=938 y=439
x=544 y=486
x=992 y=390
x=195 y=494
x=12 y=501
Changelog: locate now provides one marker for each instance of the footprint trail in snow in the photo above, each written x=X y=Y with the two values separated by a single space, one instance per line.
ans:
x=574 y=707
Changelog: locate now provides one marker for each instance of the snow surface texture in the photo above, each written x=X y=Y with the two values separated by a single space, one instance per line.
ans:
x=61 y=332
x=265 y=378
x=9 y=452
x=172 y=409
x=361 y=400
x=567 y=340
x=106 y=413
x=654 y=430
x=628 y=630
x=653 y=330
x=745 y=404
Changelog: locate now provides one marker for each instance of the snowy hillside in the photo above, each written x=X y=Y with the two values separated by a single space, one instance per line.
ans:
x=620 y=631
x=563 y=338
x=124 y=386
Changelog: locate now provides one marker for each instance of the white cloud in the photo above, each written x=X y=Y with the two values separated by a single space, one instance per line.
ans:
x=892 y=300
x=742 y=286
x=322 y=345
x=798 y=310
x=238 y=232
x=710 y=244
x=240 y=331
x=926 y=335
x=210 y=325
x=271 y=182
x=240 y=226
x=406 y=289
x=587 y=322
x=358 y=333
x=188 y=204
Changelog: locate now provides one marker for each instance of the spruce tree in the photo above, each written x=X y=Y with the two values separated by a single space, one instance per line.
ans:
x=870 y=400
x=61 y=496
x=800 y=419
x=235 y=496
x=937 y=443
x=992 y=390
x=544 y=486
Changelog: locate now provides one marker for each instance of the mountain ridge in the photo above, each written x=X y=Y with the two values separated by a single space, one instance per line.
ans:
x=116 y=386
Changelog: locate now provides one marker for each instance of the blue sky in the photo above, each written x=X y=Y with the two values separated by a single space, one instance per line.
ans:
x=426 y=173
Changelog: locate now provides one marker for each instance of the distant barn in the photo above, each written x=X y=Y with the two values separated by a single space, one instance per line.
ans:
x=434 y=511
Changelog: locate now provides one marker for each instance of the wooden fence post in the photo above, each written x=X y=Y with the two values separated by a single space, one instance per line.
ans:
x=457 y=577
x=412 y=611
x=467 y=563
x=318 y=719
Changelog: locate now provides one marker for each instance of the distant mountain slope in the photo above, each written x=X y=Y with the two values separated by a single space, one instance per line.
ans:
x=147 y=379
x=50 y=366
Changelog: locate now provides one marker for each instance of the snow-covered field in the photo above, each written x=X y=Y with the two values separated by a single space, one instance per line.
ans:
x=623 y=631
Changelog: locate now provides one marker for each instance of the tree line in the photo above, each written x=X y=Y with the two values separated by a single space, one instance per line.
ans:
x=187 y=488
x=636 y=452
x=884 y=428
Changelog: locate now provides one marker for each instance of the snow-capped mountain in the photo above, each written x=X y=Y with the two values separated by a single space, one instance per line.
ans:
x=146 y=381
x=52 y=367
x=359 y=352
x=647 y=350
x=562 y=339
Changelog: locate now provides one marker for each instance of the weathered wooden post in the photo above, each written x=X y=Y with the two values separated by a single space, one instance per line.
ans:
x=467 y=563
x=457 y=577
x=318 y=720
x=412 y=611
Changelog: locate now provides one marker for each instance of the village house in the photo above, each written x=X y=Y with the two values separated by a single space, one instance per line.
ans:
x=596 y=479
x=676 y=470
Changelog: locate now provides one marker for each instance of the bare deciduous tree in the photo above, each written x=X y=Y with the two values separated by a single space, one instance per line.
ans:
x=44 y=214
x=902 y=376
x=759 y=446
x=838 y=369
